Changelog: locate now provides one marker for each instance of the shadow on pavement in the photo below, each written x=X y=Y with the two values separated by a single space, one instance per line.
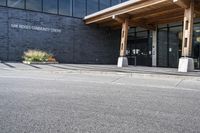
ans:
x=8 y=65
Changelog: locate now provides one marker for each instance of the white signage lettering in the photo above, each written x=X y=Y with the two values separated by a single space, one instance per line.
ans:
x=36 y=28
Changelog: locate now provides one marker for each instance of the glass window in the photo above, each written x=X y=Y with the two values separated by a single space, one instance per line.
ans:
x=16 y=3
x=140 y=29
x=124 y=0
x=115 y=2
x=104 y=4
x=50 y=6
x=143 y=34
x=175 y=45
x=35 y=5
x=175 y=24
x=79 y=8
x=162 y=48
x=162 y=26
x=65 y=7
x=92 y=6
x=3 y=2
x=197 y=20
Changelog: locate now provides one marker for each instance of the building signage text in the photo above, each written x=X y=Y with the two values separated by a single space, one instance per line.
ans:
x=36 y=28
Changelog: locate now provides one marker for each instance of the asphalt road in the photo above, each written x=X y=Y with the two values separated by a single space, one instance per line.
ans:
x=37 y=101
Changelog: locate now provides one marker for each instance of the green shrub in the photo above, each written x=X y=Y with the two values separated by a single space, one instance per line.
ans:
x=36 y=56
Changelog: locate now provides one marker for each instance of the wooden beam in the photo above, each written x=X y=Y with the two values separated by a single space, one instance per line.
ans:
x=157 y=12
x=142 y=23
x=151 y=27
x=170 y=20
x=143 y=6
x=188 y=30
x=124 y=37
x=165 y=17
x=182 y=3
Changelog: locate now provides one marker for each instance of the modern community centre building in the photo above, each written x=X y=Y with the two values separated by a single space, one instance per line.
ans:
x=162 y=33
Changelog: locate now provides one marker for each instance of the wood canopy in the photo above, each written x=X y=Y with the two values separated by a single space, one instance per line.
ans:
x=143 y=13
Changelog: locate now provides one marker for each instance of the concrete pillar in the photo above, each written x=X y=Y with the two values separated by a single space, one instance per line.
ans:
x=154 y=48
x=122 y=60
x=186 y=63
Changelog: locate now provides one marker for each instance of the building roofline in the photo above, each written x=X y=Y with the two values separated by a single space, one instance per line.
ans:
x=116 y=7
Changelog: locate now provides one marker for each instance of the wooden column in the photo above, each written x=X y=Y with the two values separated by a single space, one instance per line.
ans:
x=188 y=30
x=124 y=37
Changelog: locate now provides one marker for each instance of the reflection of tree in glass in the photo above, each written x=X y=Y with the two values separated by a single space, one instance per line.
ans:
x=16 y=3
x=35 y=5
x=65 y=7
x=50 y=6
x=3 y=2
x=79 y=8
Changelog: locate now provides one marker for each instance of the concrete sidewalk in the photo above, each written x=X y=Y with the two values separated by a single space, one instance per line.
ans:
x=97 y=68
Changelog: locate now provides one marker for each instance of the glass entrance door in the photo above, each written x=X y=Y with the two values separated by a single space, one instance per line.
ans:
x=169 y=46
x=138 y=52
x=175 y=46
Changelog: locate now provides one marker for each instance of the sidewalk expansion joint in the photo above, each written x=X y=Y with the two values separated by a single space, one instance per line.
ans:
x=179 y=82
x=116 y=80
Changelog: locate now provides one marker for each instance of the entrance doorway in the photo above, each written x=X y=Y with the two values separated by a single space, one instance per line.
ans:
x=139 y=51
x=169 y=46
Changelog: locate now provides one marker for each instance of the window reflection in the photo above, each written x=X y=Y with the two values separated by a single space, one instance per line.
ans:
x=79 y=8
x=35 y=5
x=76 y=8
x=65 y=7
x=92 y=6
x=50 y=6
x=16 y=3
x=115 y=2
x=104 y=4
x=3 y=2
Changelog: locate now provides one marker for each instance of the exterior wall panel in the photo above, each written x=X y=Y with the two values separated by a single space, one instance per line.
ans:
x=3 y=34
x=76 y=43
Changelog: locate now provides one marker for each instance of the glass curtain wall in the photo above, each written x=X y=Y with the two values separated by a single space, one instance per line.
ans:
x=115 y=2
x=104 y=4
x=162 y=48
x=175 y=45
x=16 y=3
x=35 y=5
x=65 y=7
x=3 y=2
x=75 y=8
x=170 y=45
x=50 y=6
x=196 y=45
x=79 y=8
x=92 y=6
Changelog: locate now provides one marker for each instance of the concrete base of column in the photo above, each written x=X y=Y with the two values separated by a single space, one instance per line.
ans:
x=186 y=64
x=122 y=62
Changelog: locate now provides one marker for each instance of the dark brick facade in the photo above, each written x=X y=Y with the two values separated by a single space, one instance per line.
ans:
x=77 y=42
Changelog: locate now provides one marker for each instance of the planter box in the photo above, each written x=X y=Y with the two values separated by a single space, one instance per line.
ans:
x=39 y=63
